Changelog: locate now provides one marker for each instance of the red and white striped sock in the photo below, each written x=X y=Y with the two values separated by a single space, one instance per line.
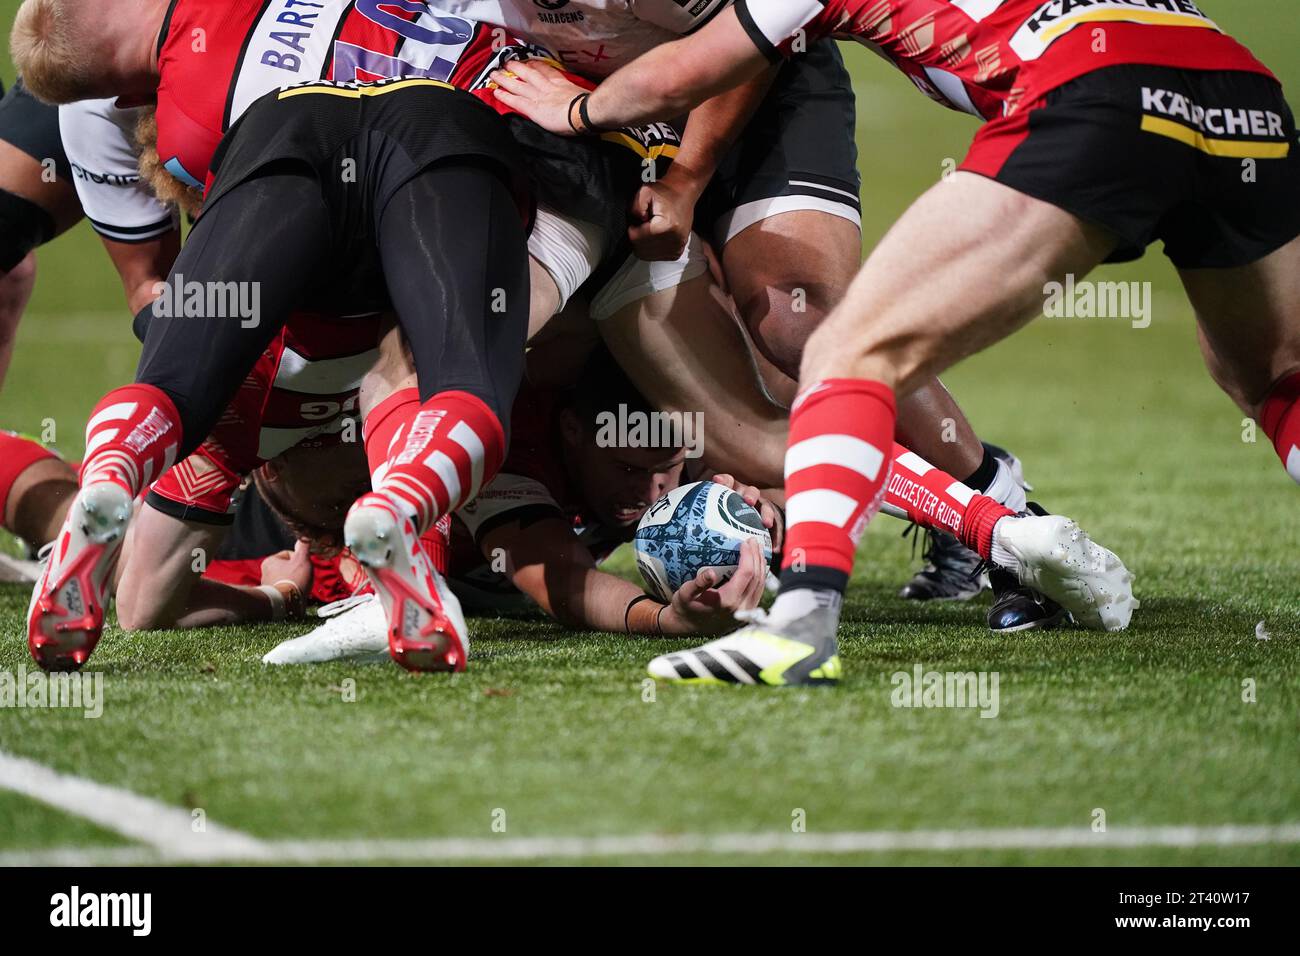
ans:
x=1280 y=420
x=437 y=455
x=132 y=437
x=935 y=499
x=836 y=470
x=383 y=429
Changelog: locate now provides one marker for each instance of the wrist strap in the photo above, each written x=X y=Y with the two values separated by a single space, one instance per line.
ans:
x=585 y=116
x=278 y=610
x=579 y=117
x=286 y=600
x=627 y=612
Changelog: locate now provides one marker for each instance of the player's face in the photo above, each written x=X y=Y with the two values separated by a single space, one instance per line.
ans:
x=621 y=483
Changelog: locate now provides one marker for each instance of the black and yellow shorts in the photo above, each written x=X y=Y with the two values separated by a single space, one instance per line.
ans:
x=377 y=136
x=1206 y=161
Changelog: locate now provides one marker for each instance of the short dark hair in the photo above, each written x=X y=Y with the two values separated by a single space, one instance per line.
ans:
x=601 y=388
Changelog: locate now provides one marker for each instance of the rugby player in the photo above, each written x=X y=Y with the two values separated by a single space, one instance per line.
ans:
x=769 y=203
x=768 y=175
x=408 y=192
x=536 y=535
x=1109 y=125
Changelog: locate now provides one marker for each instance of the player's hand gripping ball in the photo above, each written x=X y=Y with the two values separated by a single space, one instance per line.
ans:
x=697 y=526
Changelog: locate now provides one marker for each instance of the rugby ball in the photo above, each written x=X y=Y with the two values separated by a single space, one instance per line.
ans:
x=697 y=526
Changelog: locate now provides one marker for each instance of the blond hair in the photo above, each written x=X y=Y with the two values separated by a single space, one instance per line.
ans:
x=48 y=49
x=164 y=185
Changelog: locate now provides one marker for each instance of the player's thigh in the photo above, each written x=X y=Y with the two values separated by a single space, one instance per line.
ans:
x=684 y=350
x=964 y=267
x=807 y=254
x=1249 y=322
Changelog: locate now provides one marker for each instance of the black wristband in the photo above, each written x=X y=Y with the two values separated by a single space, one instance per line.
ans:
x=580 y=101
x=627 y=612
x=587 y=125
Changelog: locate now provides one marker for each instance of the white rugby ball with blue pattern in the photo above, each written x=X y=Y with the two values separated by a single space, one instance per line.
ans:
x=697 y=526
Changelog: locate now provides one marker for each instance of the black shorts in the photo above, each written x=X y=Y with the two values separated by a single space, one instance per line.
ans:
x=594 y=179
x=799 y=151
x=1206 y=161
x=33 y=127
x=380 y=134
x=377 y=135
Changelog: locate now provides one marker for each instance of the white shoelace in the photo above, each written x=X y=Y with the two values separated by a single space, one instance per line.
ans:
x=335 y=608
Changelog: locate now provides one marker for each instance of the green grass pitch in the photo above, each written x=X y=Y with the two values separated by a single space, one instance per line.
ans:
x=551 y=733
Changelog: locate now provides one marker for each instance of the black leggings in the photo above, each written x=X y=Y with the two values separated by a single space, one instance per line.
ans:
x=455 y=262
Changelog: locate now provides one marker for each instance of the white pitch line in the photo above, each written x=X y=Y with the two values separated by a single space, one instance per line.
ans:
x=167 y=830
x=659 y=845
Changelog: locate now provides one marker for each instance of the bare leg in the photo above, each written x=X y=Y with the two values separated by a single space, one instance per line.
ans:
x=684 y=351
x=1249 y=323
x=924 y=299
x=15 y=290
x=786 y=274
x=1249 y=329
x=39 y=499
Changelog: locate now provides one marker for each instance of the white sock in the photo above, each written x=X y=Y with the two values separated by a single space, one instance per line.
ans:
x=792 y=605
x=1005 y=490
x=1000 y=555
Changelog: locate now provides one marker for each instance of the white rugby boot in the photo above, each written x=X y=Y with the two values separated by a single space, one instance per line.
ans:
x=426 y=629
x=355 y=629
x=1055 y=556
x=66 y=615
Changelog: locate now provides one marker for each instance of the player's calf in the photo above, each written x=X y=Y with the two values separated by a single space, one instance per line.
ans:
x=1280 y=418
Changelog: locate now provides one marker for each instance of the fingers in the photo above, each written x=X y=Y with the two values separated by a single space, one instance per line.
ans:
x=760 y=576
x=511 y=100
x=689 y=593
x=510 y=80
x=523 y=70
x=643 y=205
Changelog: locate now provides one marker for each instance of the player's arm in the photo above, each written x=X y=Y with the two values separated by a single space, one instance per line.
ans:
x=160 y=583
x=547 y=562
x=140 y=232
x=670 y=80
x=143 y=265
x=664 y=212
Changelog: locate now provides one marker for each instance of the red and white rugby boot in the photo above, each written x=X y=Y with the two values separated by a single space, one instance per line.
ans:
x=66 y=614
x=426 y=629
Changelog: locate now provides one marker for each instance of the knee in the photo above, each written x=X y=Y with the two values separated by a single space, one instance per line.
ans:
x=135 y=613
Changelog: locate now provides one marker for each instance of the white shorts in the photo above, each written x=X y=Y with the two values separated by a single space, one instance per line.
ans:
x=637 y=279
